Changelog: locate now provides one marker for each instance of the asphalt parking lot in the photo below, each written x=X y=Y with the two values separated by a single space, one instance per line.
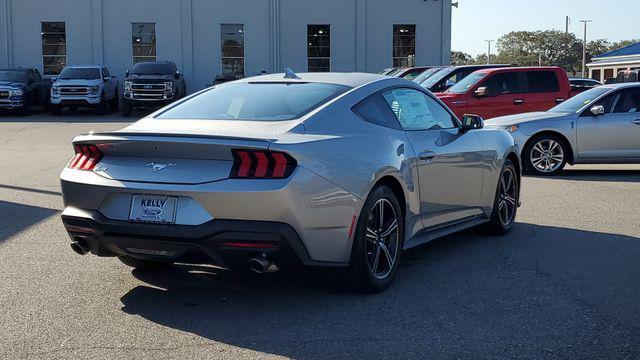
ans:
x=564 y=284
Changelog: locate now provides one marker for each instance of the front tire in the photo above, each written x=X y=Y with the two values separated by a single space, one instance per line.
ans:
x=144 y=264
x=377 y=243
x=505 y=204
x=126 y=108
x=545 y=155
x=102 y=106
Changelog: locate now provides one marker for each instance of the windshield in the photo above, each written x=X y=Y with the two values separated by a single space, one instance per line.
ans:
x=79 y=73
x=425 y=75
x=581 y=100
x=152 y=69
x=436 y=77
x=12 y=75
x=255 y=101
x=465 y=84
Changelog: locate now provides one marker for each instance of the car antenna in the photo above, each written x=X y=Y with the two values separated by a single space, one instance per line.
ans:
x=290 y=74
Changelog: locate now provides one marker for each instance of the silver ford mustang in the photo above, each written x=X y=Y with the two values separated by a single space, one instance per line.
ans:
x=336 y=170
x=601 y=125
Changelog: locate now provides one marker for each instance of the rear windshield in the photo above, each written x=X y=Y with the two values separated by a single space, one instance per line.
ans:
x=255 y=101
x=465 y=84
x=581 y=100
x=12 y=75
x=152 y=69
x=79 y=73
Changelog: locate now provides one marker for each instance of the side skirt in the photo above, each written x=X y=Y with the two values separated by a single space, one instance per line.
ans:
x=435 y=232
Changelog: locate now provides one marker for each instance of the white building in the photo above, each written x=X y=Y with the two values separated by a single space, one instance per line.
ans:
x=208 y=37
x=609 y=64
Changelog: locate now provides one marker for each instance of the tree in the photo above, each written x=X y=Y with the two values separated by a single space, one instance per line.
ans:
x=529 y=48
x=597 y=47
x=460 y=58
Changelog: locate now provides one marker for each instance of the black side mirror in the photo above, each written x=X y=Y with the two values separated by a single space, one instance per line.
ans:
x=177 y=75
x=472 y=122
x=126 y=74
x=106 y=78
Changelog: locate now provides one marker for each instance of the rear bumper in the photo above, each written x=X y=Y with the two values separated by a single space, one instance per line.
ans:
x=227 y=243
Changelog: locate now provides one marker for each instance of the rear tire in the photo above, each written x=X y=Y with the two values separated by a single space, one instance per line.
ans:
x=545 y=155
x=505 y=204
x=144 y=264
x=377 y=244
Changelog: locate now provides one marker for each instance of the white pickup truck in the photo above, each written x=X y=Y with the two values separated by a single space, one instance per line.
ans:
x=84 y=85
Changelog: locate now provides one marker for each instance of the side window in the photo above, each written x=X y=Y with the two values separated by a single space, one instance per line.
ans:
x=374 y=110
x=415 y=110
x=543 y=81
x=628 y=102
x=105 y=73
x=607 y=102
x=502 y=84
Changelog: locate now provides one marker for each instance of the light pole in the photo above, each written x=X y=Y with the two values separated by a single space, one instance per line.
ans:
x=489 y=51
x=584 y=47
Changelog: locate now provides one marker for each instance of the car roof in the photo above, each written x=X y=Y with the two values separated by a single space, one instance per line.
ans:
x=621 y=85
x=520 y=68
x=91 y=66
x=346 y=79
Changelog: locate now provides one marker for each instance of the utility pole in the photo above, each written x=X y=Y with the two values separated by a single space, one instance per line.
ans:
x=584 y=47
x=489 y=51
x=568 y=21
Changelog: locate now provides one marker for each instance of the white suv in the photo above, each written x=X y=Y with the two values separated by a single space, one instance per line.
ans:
x=84 y=85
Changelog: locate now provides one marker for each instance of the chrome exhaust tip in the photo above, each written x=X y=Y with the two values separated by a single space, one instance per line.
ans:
x=79 y=247
x=261 y=265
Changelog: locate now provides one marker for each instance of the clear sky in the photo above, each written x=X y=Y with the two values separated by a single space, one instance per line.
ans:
x=477 y=20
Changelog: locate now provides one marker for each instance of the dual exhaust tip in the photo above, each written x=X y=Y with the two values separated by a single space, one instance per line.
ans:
x=262 y=265
x=80 y=247
x=259 y=265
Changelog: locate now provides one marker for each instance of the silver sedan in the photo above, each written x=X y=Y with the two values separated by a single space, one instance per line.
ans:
x=333 y=170
x=601 y=125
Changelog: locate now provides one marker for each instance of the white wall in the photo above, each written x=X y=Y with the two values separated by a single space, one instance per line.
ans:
x=188 y=32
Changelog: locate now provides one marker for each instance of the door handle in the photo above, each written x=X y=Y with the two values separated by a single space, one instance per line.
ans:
x=427 y=155
x=518 y=101
x=636 y=122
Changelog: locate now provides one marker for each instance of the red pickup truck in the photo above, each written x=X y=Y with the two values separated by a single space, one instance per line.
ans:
x=506 y=91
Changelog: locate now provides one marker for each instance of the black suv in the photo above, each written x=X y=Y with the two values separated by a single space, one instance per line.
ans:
x=22 y=88
x=152 y=84
x=627 y=76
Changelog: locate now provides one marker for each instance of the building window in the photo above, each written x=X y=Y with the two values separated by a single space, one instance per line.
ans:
x=404 y=45
x=54 y=47
x=232 y=49
x=144 y=42
x=318 y=48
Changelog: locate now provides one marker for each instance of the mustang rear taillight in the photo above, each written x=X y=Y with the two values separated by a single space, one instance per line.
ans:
x=261 y=164
x=86 y=158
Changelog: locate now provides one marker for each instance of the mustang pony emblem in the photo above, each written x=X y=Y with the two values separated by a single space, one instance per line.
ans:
x=159 y=167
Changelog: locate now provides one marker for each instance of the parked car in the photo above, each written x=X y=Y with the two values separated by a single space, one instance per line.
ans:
x=627 y=76
x=84 y=85
x=221 y=79
x=505 y=91
x=579 y=85
x=411 y=73
x=273 y=171
x=427 y=74
x=387 y=71
x=152 y=84
x=21 y=88
x=609 y=81
x=601 y=125
x=451 y=75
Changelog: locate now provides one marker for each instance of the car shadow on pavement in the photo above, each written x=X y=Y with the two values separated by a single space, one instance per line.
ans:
x=599 y=175
x=553 y=292
x=14 y=218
